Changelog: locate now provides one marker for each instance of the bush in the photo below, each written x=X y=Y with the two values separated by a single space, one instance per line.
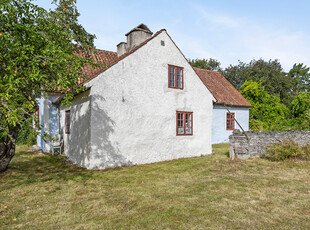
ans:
x=26 y=134
x=306 y=149
x=287 y=150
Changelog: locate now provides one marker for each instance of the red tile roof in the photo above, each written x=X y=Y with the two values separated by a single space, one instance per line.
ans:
x=103 y=58
x=221 y=89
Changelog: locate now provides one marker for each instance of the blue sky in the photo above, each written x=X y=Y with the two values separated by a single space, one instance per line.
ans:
x=227 y=30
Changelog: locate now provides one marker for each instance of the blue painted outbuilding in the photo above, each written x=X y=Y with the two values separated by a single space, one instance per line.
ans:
x=229 y=107
x=220 y=131
x=48 y=120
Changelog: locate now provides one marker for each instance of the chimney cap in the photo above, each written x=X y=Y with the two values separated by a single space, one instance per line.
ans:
x=141 y=27
x=120 y=43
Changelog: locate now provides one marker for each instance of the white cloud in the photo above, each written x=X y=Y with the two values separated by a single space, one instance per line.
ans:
x=230 y=39
x=275 y=43
x=216 y=18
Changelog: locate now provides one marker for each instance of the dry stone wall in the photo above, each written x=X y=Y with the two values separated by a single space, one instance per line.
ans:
x=253 y=144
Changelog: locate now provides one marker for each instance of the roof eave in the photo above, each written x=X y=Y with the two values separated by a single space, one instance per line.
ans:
x=231 y=105
x=58 y=100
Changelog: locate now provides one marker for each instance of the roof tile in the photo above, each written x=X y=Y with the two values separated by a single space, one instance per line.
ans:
x=102 y=57
x=221 y=89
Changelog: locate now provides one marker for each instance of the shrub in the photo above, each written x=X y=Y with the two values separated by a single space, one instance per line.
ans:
x=306 y=150
x=26 y=135
x=287 y=150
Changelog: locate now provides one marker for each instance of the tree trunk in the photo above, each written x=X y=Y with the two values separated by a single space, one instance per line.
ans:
x=7 y=149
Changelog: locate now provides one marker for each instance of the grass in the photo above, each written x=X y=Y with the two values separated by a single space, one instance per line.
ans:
x=212 y=192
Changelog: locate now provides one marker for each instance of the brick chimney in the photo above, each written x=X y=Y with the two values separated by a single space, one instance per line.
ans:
x=134 y=37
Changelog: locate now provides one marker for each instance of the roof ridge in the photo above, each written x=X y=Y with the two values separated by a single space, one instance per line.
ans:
x=105 y=50
x=207 y=70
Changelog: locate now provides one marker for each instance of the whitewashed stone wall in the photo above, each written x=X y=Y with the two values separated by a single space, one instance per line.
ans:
x=133 y=112
x=77 y=143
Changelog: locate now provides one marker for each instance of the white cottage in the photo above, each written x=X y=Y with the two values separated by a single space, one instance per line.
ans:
x=146 y=104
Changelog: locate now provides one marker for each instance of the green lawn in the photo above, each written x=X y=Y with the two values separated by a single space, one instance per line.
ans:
x=211 y=192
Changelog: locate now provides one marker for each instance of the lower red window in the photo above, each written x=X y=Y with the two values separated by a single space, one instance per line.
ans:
x=184 y=123
x=67 y=122
x=230 y=121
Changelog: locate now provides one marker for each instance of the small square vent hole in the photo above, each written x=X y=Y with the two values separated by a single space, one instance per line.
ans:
x=162 y=43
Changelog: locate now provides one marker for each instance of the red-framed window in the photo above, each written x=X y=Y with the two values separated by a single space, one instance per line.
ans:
x=175 y=77
x=230 y=121
x=184 y=123
x=37 y=119
x=67 y=122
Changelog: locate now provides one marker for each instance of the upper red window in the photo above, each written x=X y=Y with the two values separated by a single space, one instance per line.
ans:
x=230 y=121
x=67 y=122
x=184 y=123
x=175 y=77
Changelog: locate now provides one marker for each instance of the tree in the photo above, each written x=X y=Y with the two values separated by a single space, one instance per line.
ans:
x=38 y=53
x=237 y=74
x=300 y=77
x=300 y=104
x=269 y=73
x=267 y=112
x=300 y=111
x=210 y=64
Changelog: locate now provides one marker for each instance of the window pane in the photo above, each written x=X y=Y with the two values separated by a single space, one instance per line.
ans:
x=179 y=78
x=188 y=123
x=181 y=130
x=180 y=127
x=188 y=130
x=171 y=77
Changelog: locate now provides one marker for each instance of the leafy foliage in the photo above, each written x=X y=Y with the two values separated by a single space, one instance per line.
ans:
x=300 y=111
x=26 y=133
x=287 y=150
x=280 y=100
x=300 y=104
x=269 y=73
x=267 y=112
x=210 y=64
x=300 y=77
x=39 y=52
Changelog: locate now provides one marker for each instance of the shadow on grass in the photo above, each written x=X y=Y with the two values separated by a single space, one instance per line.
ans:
x=31 y=167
